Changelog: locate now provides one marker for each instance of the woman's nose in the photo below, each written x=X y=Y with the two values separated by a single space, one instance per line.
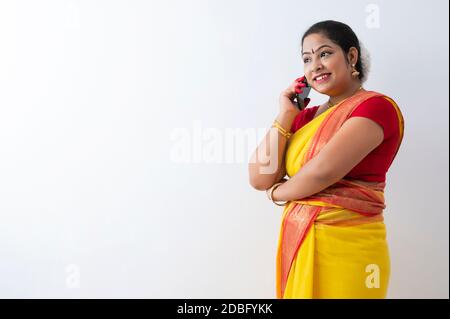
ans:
x=316 y=68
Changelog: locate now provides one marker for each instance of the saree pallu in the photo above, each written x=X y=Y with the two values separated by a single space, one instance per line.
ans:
x=332 y=244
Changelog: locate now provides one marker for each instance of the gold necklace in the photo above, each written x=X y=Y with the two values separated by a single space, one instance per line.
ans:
x=330 y=105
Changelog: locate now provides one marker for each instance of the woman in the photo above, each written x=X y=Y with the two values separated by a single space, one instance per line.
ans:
x=332 y=241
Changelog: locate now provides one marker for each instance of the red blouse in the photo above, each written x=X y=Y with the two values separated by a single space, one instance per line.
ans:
x=376 y=164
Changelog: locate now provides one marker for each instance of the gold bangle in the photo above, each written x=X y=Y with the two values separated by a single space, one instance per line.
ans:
x=271 y=194
x=278 y=124
x=287 y=135
x=270 y=190
x=281 y=130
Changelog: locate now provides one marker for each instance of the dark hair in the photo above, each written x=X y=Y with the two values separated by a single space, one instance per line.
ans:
x=342 y=35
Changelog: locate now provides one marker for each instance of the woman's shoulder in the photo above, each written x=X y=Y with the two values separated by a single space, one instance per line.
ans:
x=381 y=109
x=381 y=104
x=381 y=99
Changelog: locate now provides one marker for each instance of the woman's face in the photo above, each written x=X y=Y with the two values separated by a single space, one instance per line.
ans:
x=320 y=55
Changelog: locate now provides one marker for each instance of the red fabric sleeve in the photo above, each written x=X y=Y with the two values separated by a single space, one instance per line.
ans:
x=381 y=111
x=303 y=117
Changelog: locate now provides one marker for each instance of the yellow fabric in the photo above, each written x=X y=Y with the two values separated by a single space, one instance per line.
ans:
x=341 y=262
x=336 y=260
x=298 y=144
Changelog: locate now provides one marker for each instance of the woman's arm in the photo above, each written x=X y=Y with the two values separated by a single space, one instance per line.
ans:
x=357 y=137
x=266 y=166
x=282 y=171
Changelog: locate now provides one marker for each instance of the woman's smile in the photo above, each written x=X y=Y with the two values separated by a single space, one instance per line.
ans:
x=323 y=78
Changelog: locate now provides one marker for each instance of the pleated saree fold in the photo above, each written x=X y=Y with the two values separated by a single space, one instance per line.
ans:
x=330 y=242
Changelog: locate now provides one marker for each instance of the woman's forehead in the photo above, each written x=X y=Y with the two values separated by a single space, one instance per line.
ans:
x=314 y=42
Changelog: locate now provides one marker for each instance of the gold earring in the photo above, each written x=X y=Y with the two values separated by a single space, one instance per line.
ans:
x=355 y=73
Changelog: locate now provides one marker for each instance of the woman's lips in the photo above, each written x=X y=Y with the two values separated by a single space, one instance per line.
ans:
x=324 y=79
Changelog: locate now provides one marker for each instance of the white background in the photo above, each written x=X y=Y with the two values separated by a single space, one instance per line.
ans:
x=92 y=204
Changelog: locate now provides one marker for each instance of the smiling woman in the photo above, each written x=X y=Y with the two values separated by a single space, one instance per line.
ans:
x=332 y=241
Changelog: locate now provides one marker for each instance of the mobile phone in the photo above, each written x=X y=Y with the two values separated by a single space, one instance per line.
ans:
x=300 y=97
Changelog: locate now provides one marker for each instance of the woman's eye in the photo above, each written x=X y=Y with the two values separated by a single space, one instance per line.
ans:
x=321 y=54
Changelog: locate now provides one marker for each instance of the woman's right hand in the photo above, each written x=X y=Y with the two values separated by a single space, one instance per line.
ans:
x=286 y=100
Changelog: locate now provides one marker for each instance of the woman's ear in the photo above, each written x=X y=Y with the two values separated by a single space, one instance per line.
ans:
x=352 y=56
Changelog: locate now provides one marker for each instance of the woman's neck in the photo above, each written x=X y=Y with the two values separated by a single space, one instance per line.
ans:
x=351 y=90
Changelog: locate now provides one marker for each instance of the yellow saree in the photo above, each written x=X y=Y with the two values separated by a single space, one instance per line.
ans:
x=333 y=244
